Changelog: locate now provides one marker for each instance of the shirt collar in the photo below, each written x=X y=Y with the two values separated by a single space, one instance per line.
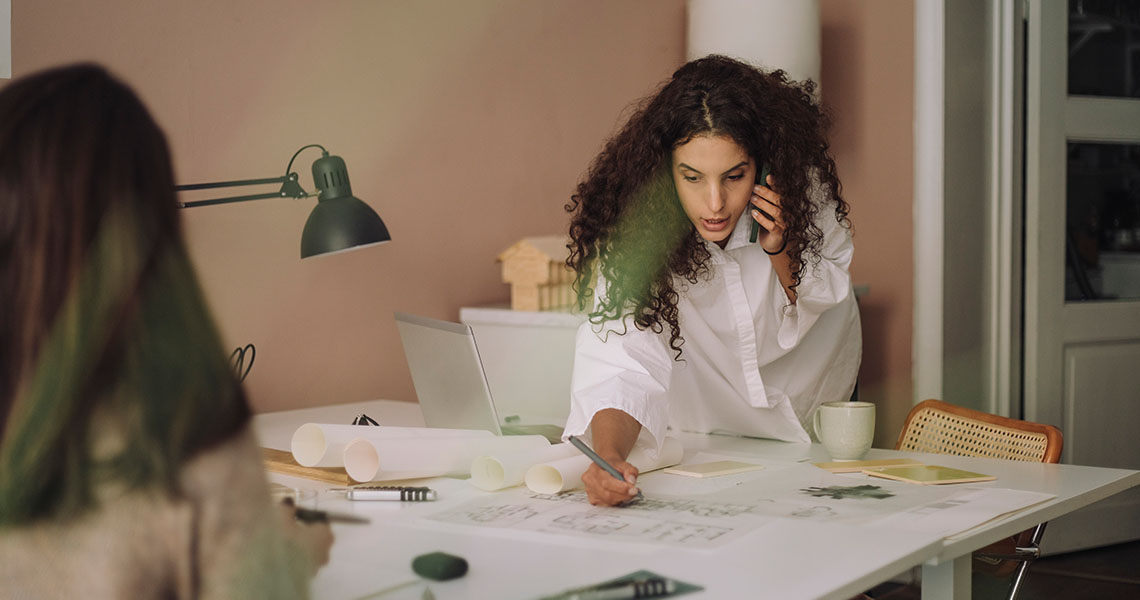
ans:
x=739 y=237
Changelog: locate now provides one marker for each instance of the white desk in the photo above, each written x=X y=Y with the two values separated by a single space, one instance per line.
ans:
x=785 y=560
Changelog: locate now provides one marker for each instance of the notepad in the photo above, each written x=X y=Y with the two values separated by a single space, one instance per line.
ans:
x=713 y=469
x=855 y=466
x=928 y=474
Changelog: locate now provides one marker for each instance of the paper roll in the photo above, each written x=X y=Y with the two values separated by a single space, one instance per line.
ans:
x=401 y=458
x=508 y=469
x=320 y=445
x=566 y=474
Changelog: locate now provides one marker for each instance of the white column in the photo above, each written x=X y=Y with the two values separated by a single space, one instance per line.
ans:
x=929 y=141
x=5 y=39
x=772 y=34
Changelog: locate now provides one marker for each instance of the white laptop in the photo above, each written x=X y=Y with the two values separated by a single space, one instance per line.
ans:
x=449 y=379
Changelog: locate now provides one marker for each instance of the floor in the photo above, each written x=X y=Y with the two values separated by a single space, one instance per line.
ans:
x=1109 y=573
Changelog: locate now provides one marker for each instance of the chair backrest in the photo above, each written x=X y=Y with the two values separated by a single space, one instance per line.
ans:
x=941 y=428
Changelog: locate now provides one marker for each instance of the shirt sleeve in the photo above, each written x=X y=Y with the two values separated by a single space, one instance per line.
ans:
x=241 y=549
x=617 y=365
x=823 y=284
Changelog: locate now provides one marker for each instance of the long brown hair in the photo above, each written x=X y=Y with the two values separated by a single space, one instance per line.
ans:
x=627 y=221
x=104 y=330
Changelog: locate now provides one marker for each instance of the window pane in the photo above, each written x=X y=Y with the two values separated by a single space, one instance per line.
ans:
x=1104 y=40
x=1102 y=258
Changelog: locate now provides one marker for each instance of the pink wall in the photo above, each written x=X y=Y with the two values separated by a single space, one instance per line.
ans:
x=466 y=126
x=868 y=81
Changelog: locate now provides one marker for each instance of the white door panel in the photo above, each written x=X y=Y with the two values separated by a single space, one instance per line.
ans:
x=1102 y=405
x=1082 y=170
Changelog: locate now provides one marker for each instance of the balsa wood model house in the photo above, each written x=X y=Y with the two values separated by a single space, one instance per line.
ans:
x=536 y=269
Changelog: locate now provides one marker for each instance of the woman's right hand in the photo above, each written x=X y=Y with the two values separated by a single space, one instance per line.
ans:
x=316 y=538
x=604 y=489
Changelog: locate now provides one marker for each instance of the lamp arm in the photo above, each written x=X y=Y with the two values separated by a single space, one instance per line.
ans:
x=221 y=184
x=289 y=189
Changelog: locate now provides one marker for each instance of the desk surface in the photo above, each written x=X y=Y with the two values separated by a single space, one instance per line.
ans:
x=786 y=559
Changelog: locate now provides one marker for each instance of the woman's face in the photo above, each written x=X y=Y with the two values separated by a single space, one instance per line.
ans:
x=714 y=178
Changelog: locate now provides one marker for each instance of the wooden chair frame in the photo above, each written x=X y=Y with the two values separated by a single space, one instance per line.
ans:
x=977 y=435
x=940 y=428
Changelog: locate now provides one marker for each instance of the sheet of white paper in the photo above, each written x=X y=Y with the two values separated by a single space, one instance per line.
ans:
x=322 y=445
x=508 y=469
x=670 y=522
x=566 y=474
x=971 y=507
x=807 y=492
x=384 y=459
x=800 y=491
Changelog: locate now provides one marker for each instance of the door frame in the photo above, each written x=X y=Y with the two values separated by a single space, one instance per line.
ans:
x=968 y=310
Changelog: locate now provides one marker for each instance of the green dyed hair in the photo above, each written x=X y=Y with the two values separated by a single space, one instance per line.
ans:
x=647 y=244
x=112 y=372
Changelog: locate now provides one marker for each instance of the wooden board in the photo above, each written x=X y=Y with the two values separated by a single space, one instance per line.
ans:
x=280 y=461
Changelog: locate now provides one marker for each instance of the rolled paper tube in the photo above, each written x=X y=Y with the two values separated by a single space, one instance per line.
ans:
x=395 y=458
x=508 y=469
x=566 y=474
x=321 y=445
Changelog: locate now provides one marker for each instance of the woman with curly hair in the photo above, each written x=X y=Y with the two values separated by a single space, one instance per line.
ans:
x=693 y=325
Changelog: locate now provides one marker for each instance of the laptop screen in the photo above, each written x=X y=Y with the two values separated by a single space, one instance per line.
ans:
x=447 y=374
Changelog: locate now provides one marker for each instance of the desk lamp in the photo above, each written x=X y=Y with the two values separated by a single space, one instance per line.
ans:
x=339 y=222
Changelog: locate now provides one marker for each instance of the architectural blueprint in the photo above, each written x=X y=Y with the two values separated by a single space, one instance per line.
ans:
x=674 y=521
x=710 y=519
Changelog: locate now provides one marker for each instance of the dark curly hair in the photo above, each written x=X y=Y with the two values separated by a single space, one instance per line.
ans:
x=627 y=220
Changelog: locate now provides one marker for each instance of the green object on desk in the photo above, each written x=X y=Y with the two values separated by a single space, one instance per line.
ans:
x=439 y=566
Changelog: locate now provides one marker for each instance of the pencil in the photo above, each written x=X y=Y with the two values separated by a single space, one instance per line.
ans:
x=601 y=462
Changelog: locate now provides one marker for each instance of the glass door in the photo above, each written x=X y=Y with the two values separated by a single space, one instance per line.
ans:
x=1081 y=343
x=1103 y=185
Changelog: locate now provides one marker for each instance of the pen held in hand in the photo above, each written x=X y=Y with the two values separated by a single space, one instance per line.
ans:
x=601 y=462
x=309 y=515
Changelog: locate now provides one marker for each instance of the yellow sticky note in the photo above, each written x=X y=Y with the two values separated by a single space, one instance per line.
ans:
x=712 y=469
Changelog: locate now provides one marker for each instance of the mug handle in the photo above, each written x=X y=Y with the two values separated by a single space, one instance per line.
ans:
x=815 y=423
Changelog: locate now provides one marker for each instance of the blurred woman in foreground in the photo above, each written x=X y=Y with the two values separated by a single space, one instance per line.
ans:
x=127 y=467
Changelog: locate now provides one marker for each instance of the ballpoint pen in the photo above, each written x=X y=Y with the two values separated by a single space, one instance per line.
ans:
x=396 y=493
x=309 y=515
x=601 y=462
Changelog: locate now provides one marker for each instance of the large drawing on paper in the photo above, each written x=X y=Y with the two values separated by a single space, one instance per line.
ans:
x=801 y=492
x=687 y=522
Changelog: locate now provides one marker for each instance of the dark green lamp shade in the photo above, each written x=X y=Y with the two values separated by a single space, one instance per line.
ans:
x=340 y=221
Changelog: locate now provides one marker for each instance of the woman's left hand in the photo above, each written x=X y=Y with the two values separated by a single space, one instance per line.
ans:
x=766 y=211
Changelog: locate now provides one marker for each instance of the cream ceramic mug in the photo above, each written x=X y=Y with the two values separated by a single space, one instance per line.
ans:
x=846 y=429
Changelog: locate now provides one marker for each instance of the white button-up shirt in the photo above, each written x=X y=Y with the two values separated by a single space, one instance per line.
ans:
x=752 y=364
